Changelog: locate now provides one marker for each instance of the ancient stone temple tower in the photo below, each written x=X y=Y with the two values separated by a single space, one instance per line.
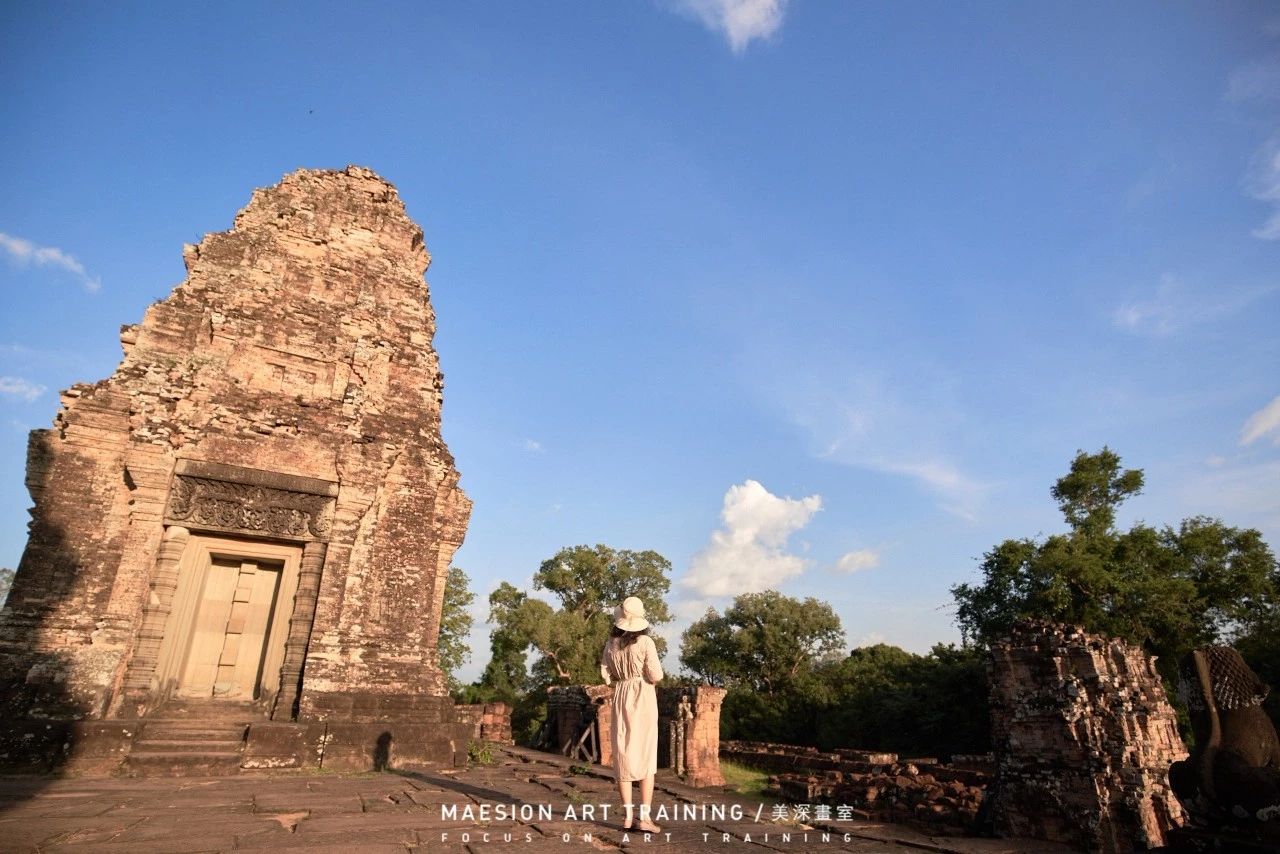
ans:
x=257 y=507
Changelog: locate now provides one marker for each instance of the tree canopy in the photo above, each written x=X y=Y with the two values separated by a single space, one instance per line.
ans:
x=455 y=625
x=885 y=698
x=1171 y=588
x=763 y=641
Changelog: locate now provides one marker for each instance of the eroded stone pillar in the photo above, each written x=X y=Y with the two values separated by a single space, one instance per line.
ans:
x=303 y=617
x=137 y=683
x=702 y=737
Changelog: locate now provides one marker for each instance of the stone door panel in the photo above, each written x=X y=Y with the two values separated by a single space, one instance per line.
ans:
x=233 y=620
x=226 y=633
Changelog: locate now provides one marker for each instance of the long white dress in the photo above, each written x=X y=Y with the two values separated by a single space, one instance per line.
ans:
x=633 y=670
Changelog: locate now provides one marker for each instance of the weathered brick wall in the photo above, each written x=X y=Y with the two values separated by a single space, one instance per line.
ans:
x=1084 y=736
x=488 y=721
x=301 y=344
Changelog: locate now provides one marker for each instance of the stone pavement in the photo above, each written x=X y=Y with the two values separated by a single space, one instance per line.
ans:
x=527 y=802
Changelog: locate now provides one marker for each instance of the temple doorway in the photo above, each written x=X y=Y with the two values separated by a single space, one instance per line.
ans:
x=226 y=633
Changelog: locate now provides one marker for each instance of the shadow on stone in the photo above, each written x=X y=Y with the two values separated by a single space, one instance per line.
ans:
x=382 y=752
x=42 y=726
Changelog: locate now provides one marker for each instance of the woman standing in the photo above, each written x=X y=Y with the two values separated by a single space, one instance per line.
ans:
x=630 y=663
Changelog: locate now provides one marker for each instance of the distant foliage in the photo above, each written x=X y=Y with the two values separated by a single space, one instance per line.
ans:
x=455 y=625
x=877 y=698
x=885 y=698
x=1169 y=589
x=764 y=642
x=779 y=659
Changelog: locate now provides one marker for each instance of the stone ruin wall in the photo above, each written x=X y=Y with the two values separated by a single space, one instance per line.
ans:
x=942 y=799
x=488 y=721
x=689 y=718
x=1084 y=736
x=301 y=344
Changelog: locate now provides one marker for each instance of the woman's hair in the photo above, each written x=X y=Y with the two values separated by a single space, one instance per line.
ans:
x=628 y=638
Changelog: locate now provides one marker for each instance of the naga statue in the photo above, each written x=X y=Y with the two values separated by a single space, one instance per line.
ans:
x=1230 y=785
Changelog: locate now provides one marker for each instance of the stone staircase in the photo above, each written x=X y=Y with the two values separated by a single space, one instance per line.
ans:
x=192 y=739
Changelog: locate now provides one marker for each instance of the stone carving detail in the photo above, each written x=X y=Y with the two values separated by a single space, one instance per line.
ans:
x=238 y=507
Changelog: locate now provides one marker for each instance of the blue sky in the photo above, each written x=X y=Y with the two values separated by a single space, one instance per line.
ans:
x=812 y=295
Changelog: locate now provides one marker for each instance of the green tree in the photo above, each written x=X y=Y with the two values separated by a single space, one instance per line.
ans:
x=1169 y=589
x=764 y=642
x=455 y=625
x=588 y=583
x=885 y=698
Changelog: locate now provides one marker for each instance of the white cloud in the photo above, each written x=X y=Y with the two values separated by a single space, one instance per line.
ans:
x=1175 y=307
x=19 y=387
x=855 y=561
x=1257 y=82
x=870 y=639
x=739 y=21
x=533 y=446
x=748 y=554
x=1261 y=423
x=25 y=252
x=1263 y=183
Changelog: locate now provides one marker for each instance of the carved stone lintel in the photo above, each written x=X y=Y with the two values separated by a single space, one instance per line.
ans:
x=246 y=508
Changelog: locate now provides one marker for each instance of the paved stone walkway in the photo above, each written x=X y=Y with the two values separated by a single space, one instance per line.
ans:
x=425 y=810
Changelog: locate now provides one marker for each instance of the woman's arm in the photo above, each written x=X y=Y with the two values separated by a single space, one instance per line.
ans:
x=652 y=666
x=604 y=664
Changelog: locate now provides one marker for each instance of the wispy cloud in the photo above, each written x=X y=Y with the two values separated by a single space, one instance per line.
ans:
x=856 y=561
x=533 y=446
x=1264 y=422
x=1259 y=81
x=748 y=553
x=18 y=387
x=25 y=252
x=739 y=21
x=1242 y=493
x=1174 y=307
x=1263 y=183
x=898 y=428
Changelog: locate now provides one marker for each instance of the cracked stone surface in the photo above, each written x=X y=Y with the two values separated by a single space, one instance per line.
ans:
x=406 y=811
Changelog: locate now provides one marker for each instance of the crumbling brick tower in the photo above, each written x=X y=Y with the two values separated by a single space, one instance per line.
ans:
x=257 y=506
x=1083 y=737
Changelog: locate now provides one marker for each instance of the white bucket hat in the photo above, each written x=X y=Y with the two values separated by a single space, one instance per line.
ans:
x=629 y=616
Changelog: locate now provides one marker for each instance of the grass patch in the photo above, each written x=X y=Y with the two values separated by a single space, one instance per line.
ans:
x=480 y=753
x=747 y=781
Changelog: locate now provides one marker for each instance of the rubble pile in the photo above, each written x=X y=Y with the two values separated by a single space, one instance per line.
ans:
x=941 y=798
